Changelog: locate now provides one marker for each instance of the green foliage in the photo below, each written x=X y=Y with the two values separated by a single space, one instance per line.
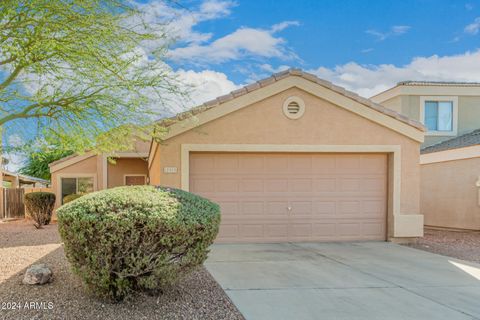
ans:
x=37 y=162
x=85 y=73
x=40 y=207
x=136 y=238
x=71 y=197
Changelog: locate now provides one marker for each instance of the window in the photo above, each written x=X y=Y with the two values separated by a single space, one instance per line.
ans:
x=76 y=185
x=134 y=180
x=439 y=115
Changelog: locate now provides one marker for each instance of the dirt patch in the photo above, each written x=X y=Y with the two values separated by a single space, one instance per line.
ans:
x=198 y=296
x=463 y=245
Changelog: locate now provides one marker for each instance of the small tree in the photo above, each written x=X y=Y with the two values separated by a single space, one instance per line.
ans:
x=37 y=162
x=85 y=74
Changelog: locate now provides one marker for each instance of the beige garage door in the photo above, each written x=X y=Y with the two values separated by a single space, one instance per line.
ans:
x=268 y=197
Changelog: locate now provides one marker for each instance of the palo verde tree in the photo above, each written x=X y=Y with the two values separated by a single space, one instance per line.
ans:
x=81 y=74
x=36 y=164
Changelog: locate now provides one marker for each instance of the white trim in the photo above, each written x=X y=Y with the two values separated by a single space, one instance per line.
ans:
x=308 y=86
x=426 y=90
x=398 y=224
x=386 y=95
x=301 y=105
x=133 y=175
x=71 y=161
x=451 y=155
x=72 y=175
x=454 y=100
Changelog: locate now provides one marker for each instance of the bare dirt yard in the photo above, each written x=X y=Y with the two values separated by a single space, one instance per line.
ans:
x=463 y=245
x=197 y=296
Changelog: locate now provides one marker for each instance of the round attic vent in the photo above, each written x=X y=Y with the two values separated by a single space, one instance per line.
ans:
x=293 y=108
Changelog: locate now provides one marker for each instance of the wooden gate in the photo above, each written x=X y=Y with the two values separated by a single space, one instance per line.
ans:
x=13 y=205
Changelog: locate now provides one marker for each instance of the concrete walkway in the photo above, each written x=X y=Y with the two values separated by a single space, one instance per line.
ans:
x=371 y=280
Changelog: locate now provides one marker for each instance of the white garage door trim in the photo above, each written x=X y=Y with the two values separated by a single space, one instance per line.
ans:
x=393 y=151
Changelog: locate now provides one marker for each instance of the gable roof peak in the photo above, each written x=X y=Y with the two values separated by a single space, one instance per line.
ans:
x=295 y=72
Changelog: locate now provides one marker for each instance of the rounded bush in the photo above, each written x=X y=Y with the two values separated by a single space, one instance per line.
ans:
x=40 y=207
x=71 y=197
x=136 y=238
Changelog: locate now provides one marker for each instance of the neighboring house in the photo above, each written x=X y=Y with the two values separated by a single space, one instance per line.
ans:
x=450 y=183
x=296 y=158
x=450 y=156
x=12 y=191
x=447 y=109
x=17 y=180
x=91 y=172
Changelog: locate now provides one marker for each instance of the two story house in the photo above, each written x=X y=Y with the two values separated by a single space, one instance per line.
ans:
x=450 y=154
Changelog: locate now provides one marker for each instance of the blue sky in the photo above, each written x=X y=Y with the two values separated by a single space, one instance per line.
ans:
x=333 y=32
x=366 y=46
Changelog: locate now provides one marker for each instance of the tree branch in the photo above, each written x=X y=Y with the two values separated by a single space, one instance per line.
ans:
x=11 y=77
x=8 y=60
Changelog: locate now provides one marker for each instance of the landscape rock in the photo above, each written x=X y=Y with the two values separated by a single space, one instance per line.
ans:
x=38 y=274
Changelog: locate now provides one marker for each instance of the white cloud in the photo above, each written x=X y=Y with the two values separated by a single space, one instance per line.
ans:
x=367 y=50
x=205 y=85
x=394 y=31
x=15 y=159
x=368 y=80
x=283 y=25
x=397 y=30
x=243 y=42
x=254 y=72
x=197 y=47
x=179 y=22
x=473 y=27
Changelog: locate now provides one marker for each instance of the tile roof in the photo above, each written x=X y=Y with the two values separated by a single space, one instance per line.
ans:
x=439 y=83
x=466 y=140
x=284 y=74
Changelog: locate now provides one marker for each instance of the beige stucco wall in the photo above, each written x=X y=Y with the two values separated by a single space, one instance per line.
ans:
x=394 y=103
x=86 y=167
x=322 y=124
x=123 y=166
x=449 y=196
x=468 y=113
x=93 y=166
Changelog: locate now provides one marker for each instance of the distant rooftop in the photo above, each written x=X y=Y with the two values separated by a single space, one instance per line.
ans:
x=438 y=83
x=24 y=177
x=465 y=140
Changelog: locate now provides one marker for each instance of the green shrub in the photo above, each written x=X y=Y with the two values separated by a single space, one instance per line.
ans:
x=72 y=197
x=40 y=207
x=136 y=238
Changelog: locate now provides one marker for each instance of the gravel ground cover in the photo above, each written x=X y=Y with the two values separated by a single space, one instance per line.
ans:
x=197 y=296
x=463 y=245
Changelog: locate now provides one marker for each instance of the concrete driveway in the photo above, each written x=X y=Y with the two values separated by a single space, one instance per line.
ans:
x=371 y=280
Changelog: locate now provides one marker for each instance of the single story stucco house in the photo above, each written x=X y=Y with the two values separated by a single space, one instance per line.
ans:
x=92 y=172
x=289 y=158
